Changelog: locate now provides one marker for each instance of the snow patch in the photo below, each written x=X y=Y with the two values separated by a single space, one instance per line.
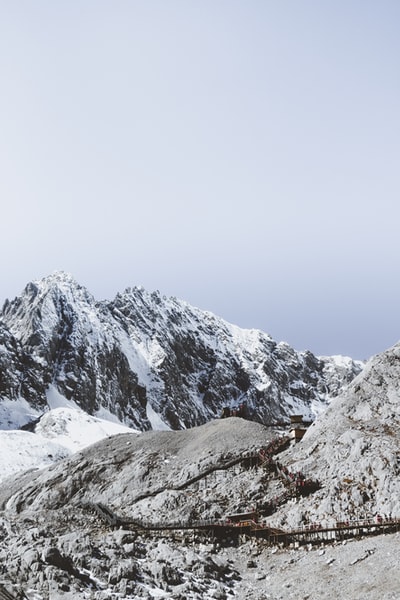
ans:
x=57 y=400
x=74 y=429
x=22 y=450
x=16 y=413
x=104 y=414
x=60 y=432
x=155 y=420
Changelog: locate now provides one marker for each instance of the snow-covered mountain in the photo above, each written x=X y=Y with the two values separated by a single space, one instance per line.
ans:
x=148 y=361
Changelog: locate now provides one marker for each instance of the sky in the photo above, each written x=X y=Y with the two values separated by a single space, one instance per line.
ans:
x=242 y=155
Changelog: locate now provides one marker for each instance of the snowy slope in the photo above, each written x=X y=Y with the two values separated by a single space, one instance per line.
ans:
x=23 y=450
x=75 y=429
x=58 y=434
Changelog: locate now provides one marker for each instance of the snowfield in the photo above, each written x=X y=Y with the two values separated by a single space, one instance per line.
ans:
x=23 y=450
x=59 y=433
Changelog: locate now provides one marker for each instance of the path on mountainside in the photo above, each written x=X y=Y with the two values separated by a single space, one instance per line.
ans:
x=250 y=526
x=251 y=523
x=212 y=469
x=296 y=485
x=6 y=595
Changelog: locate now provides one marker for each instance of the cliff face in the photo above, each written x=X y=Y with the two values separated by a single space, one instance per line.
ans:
x=150 y=361
x=353 y=448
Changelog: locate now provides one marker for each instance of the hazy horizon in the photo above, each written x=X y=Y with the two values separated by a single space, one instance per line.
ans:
x=239 y=155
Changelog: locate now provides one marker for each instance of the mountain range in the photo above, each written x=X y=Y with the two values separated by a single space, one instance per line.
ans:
x=149 y=362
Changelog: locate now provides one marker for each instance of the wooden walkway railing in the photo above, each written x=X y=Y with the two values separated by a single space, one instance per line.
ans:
x=314 y=532
x=297 y=484
x=6 y=595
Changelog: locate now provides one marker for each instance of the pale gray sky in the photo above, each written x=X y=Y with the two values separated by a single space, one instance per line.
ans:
x=240 y=155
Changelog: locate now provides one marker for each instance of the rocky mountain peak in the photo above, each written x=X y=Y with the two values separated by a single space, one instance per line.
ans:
x=157 y=362
x=43 y=304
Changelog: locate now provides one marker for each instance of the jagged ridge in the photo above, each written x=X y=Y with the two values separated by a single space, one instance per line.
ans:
x=151 y=361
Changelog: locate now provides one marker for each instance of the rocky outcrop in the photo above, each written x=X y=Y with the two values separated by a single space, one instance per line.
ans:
x=21 y=377
x=353 y=448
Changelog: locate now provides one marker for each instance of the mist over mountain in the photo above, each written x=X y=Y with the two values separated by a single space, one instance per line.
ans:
x=149 y=362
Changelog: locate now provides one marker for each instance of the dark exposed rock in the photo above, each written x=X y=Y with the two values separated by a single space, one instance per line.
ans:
x=52 y=556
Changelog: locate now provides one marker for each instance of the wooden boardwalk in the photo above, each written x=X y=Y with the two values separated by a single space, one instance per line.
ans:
x=6 y=595
x=253 y=524
x=222 y=528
